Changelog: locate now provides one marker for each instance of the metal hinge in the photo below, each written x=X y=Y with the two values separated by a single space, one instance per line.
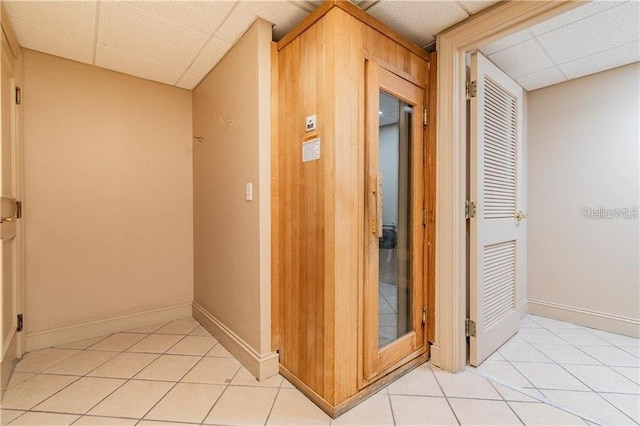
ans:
x=18 y=96
x=424 y=217
x=18 y=209
x=20 y=324
x=469 y=328
x=424 y=117
x=471 y=89
x=424 y=315
x=469 y=209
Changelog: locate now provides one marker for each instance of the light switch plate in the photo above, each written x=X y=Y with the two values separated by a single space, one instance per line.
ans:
x=249 y=192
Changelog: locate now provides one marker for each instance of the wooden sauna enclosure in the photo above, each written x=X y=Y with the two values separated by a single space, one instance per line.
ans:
x=325 y=233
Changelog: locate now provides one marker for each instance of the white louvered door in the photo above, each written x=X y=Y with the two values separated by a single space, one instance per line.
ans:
x=497 y=238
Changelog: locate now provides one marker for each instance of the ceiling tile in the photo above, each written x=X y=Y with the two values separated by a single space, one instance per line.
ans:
x=284 y=15
x=419 y=21
x=541 y=79
x=205 y=16
x=210 y=55
x=141 y=33
x=587 y=9
x=118 y=60
x=52 y=42
x=623 y=55
x=190 y=79
x=475 y=6
x=77 y=18
x=505 y=42
x=611 y=28
x=522 y=59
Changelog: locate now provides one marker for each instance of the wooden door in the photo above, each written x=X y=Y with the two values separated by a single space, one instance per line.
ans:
x=497 y=237
x=10 y=254
x=394 y=328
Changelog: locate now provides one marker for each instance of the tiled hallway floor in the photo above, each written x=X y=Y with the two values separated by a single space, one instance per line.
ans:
x=586 y=371
x=178 y=373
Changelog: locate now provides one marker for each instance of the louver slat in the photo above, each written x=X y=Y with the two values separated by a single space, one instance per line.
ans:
x=499 y=277
x=500 y=141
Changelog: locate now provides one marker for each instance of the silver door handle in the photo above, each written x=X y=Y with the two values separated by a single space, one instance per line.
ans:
x=519 y=216
x=7 y=219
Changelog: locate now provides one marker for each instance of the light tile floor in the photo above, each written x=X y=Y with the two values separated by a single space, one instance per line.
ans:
x=176 y=373
x=588 y=372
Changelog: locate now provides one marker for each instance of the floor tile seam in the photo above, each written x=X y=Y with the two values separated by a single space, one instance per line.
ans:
x=551 y=330
x=435 y=377
x=589 y=330
x=51 y=366
x=127 y=380
x=520 y=372
x=85 y=374
x=595 y=392
x=55 y=393
x=610 y=368
x=505 y=401
x=534 y=348
x=393 y=416
x=544 y=398
x=175 y=383
x=226 y=386
x=580 y=348
x=104 y=337
x=273 y=404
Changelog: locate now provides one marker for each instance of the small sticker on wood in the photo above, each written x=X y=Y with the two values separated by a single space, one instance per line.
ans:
x=311 y=150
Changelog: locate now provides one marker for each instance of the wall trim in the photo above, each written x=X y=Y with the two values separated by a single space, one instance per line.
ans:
x=503 y=19
x=434 y=355
x=261 y=366
x=586 y=317
x=84 y=330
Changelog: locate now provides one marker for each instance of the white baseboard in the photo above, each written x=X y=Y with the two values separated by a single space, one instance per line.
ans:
x=523 y=308
x=434 y=355
x=71 y=333
x=586 y=317
x=261 y=366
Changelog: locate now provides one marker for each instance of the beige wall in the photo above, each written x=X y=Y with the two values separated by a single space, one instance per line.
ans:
x=232 y=235
x=108 y=193
x=583 y=152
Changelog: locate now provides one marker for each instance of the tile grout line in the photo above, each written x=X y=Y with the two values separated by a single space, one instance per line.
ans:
x=544 y=399
x=226 y=386
x=126 y=380
x=569 y=372
x=273 y=404
x=586 y=385
x=455 y=415
x=505 y=401
x=172 y=387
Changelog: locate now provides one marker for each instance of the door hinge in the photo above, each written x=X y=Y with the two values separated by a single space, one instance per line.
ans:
x=18 y=96
x=424 y=117
x=424 y=315
x=20 y=324
x=18 y=209
x=424 y=217
x=469 y=209
x=469 y=328
x=471 y=89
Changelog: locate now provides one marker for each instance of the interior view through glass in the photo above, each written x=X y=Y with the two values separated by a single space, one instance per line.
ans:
x=395 y=290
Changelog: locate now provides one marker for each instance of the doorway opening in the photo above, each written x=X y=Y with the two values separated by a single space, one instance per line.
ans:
x=564 y=174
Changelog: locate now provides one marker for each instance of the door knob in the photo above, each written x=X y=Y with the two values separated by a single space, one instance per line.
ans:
x=519 y=216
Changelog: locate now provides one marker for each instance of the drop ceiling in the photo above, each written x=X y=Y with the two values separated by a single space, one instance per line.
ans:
x=591 y=38
x=177 y=42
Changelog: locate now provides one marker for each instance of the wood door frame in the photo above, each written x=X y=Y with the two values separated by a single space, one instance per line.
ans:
x=450 y=350
x=379 y=361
